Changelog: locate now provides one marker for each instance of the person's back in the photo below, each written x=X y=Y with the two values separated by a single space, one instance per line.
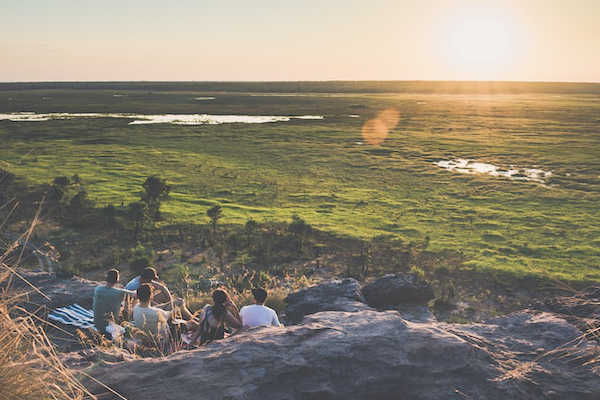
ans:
x=213 y=319
x=151 y=320
x=133 y=284
x=107 y=302
x=258 y=315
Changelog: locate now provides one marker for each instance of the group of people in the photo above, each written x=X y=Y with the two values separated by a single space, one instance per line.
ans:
x=157 y=313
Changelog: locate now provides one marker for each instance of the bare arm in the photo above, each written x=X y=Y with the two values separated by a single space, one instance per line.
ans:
x=232 y=317
x=185 y=312
x=275 y=321
x=167 y=299
x=200 y=316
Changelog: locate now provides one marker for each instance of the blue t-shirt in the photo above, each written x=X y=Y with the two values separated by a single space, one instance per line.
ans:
x=107 y=305
x=133 y=284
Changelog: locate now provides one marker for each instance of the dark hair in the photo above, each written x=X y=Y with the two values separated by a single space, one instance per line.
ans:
x=260 y=295
x=144 y=292
x=148 y=274
x=112 y=276
x=220 y=297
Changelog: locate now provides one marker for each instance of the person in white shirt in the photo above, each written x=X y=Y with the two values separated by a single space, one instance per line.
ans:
x=152 y=322
x=258 y=314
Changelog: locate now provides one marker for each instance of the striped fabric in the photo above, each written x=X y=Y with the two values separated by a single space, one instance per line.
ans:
x=73 y=315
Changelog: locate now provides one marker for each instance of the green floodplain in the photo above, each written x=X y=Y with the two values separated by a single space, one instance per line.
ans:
x=324 y=171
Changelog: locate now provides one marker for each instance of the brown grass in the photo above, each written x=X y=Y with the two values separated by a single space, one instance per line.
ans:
x=30 y=368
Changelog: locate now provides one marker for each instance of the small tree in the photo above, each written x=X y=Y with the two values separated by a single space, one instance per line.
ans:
x=214 y=213
x=155 y=191
x=59 y=190
x=250 y=228
x=137 y=215
x=79 y=206
x=300 y=229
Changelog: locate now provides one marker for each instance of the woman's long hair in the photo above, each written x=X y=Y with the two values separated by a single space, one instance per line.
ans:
x=220 y=297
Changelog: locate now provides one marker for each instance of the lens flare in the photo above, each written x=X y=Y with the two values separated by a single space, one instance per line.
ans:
x=375 y=130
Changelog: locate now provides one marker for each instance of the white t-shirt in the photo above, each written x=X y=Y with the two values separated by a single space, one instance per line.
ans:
x=152 y=320
x=258 y=315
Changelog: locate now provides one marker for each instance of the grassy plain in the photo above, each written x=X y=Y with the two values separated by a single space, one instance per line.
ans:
x=323 y=171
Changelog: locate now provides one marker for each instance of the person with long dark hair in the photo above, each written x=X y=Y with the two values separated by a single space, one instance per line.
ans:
x=214 y=317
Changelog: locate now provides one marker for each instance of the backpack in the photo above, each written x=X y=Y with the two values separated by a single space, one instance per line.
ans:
x=209 y=333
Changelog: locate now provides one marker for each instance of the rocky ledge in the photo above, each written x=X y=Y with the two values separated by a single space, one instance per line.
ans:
x=353 y=351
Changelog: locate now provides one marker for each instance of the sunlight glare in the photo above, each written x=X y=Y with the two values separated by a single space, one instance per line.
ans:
x=376 y=130
x=480 y=44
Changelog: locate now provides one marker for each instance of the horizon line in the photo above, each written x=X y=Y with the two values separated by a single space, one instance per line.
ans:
x=304 y=81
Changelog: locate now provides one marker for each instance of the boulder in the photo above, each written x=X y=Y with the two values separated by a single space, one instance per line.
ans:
x=376 y=355
x=394 y=289
x=582 y=308
x=52 y=292
x=337 y=295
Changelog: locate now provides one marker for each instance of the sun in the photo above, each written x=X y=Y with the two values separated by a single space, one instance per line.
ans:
x=482 y=41
x=480 y=45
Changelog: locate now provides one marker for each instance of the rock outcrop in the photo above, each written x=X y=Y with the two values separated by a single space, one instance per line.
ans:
x=394 y=289
x=375 y=355
x=53 y=292
x=356 y=352
x=337 y=295
x=582 y=309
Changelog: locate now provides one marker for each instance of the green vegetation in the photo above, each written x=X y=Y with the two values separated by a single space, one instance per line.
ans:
x=322 y=172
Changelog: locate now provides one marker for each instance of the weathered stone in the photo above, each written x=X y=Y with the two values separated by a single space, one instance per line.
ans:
x=394 y=289
x=53 y=292
x=376 y=355
x=415 y=312
x=337 y=295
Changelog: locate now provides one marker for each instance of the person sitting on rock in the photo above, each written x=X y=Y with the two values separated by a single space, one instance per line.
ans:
x=108 y=300
x=161 y=297
x=152 y=322
x=258 y=314
x=213 y=319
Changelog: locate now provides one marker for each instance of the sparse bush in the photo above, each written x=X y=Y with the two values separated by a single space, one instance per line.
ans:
x=250 y=229
x=140 y=258
x=138 y=216
x=214 y=213
x=301 y=229
x=155 y=191
x=79 y=206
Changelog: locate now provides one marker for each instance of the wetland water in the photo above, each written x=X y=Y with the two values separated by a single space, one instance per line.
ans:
x=465 y=166
x=176 y=119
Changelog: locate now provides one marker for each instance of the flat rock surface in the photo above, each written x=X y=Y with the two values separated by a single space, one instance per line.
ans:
x=337 y=295
x=370 y=354
x=54 y=292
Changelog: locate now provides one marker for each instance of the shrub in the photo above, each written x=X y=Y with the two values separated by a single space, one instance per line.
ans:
x=214 y=213
x=155 y=191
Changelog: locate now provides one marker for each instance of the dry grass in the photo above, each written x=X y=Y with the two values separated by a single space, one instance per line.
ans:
x=30 y=368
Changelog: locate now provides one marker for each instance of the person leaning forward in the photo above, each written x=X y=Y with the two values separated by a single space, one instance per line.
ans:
x=161 y=297
x=108 y=300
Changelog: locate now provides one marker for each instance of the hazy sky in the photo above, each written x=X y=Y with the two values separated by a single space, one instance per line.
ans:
x=75 y=40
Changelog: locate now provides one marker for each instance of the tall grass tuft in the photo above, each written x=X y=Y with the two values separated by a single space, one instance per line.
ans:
x=30 y=368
